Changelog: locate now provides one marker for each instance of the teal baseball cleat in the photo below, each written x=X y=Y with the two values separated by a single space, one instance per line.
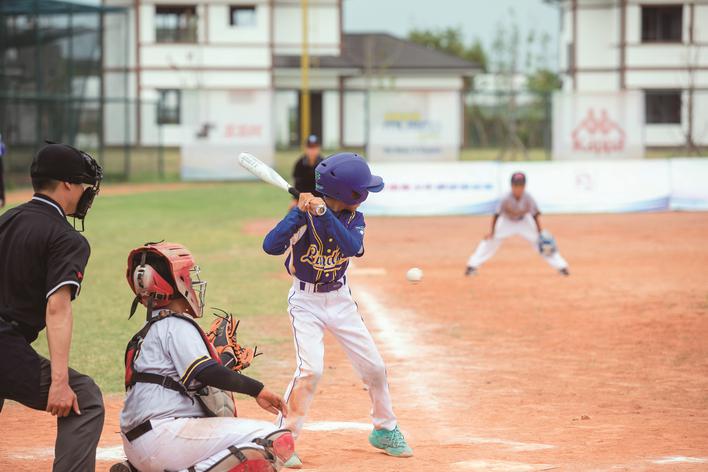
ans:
x=391 y=441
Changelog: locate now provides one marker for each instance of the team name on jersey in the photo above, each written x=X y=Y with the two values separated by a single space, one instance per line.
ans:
x=326 y=263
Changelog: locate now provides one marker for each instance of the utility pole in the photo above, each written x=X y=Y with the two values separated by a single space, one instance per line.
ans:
x=304 y=76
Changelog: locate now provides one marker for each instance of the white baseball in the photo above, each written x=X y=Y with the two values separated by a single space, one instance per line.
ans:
x=414 y=274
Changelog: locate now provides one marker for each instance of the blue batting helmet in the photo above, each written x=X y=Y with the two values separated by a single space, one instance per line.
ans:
x=346 y=177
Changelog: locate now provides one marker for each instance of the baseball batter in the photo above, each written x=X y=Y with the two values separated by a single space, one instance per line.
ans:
x=163 y=423
x=517 y=214
x=317 y=251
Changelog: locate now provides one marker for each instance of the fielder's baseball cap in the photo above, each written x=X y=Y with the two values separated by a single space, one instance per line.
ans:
x=518 y=178
x=312 y=140
x=65 y=163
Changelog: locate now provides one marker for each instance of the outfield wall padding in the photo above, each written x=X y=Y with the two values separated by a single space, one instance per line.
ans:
x=455 y=188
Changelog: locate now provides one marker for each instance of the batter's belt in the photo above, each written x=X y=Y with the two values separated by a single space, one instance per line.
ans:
x=321 y=287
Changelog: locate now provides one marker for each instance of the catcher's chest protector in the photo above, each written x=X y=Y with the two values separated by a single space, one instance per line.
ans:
x=132 y=351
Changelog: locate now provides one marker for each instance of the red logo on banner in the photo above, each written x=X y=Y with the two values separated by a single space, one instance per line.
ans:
x=242 y=131
x=598 y=135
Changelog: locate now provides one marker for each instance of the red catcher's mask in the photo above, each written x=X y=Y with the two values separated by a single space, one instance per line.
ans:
x=146 y=282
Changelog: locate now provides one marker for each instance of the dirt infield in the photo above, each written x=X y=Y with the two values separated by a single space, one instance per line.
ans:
x=515 y=369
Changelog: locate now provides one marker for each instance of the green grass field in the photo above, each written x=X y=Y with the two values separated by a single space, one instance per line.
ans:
x=209 y=221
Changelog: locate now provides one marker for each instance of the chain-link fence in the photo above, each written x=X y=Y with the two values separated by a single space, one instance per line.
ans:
x=507 y=126
x=59 y=81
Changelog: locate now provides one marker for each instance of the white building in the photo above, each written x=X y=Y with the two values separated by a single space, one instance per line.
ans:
x=656 y=47
x=228 y=72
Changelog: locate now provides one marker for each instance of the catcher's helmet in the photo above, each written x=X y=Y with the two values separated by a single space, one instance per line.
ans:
x=160 y=272
x=346 y=177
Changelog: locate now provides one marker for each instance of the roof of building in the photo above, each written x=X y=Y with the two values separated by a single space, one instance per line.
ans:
x=382 y=51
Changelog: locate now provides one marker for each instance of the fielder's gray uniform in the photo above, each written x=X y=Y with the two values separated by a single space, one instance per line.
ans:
x=516 y=217
x=181 y=436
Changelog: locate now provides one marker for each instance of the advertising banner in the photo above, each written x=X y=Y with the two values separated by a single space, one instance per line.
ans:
x=590 y=186
x=435 y=189
x=414 y=126
x=558 y=187
x=689 y=183
x=231 y=122
x=598 y=125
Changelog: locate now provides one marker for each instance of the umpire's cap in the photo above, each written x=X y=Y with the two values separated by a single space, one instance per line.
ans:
x=65 y=163
x=312 y=141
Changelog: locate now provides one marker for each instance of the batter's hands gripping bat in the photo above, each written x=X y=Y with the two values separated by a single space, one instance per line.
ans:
x=264 y=172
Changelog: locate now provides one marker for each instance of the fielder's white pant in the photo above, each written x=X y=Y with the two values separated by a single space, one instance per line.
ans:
x=175 y=444
x=312 y=313
x=505 y=227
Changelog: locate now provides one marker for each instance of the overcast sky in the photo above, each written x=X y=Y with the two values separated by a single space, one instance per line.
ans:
x=478 y=18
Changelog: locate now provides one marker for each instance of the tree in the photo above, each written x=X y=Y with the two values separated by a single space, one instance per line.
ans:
x=543 y=82
x=451 y=41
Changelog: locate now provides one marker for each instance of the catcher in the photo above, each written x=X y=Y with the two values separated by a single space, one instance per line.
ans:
x=179 y=413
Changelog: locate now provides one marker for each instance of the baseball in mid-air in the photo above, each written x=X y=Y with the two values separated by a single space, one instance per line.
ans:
x=414 y=274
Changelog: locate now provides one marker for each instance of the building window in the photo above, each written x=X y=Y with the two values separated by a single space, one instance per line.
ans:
x=662 y=24
x=176 y=24
x=169 y=104
x=243 y=15
x=662 y=106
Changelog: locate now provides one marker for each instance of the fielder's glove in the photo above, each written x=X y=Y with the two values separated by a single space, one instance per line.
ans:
x=546 y=243
x=222 y=335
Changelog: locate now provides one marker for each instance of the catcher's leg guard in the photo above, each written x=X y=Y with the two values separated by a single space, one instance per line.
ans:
x=244 y=459
x=280 y=444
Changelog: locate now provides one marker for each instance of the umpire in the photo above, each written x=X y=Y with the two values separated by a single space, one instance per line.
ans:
x=304 y=170
x=42 y=262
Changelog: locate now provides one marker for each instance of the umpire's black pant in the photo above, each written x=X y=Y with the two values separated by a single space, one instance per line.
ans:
x=25 y=377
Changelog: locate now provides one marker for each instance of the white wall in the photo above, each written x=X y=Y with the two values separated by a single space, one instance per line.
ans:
x=330 y=119
x=222 y=80
x=598 y=82
x=656 y=66
x=323 y=27
x=234 y=116
x=354 y=119
x=598 y=37
x=203 y=57
x=700 y=117
x=283 y=102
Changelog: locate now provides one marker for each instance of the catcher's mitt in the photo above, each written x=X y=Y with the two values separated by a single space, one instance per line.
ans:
x=222 y=335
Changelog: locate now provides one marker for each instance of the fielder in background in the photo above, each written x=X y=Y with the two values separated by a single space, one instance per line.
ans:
x=42 y=265
x=169 y=421
x=317 y=251
x=517 y=214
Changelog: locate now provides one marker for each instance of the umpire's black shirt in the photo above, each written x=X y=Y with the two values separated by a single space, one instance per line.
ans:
x=39 y=253
x=304 y=174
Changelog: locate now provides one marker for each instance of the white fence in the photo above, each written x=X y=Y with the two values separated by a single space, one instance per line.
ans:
x=558 y=187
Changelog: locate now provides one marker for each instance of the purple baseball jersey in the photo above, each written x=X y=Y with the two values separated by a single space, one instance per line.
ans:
x=317 y=248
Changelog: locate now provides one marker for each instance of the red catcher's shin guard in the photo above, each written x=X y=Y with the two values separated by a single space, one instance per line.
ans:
x=245 y=459
x=254 y=465
x=280 y=444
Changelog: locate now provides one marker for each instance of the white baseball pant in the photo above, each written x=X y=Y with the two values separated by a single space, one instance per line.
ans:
x=505 y=227
x=179 y=443
x=310 y=314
